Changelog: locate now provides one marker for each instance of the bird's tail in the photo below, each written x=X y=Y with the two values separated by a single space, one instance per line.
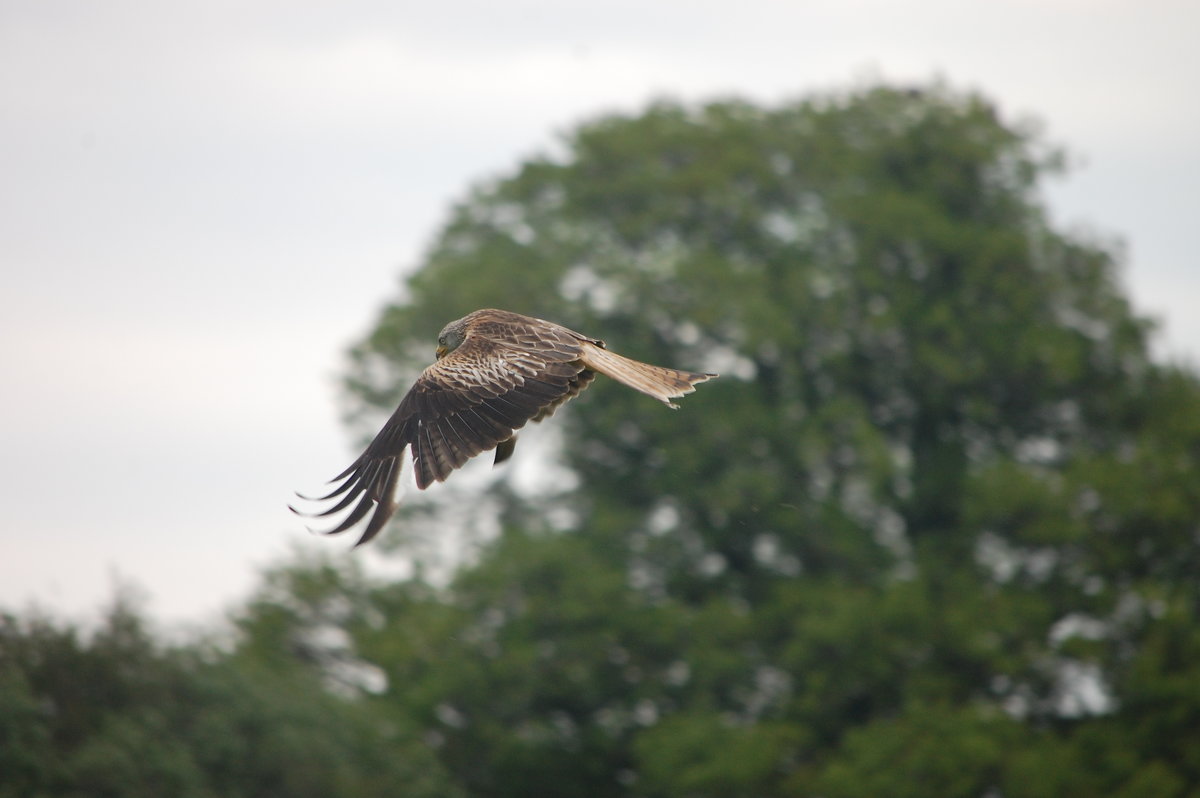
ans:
x=662 y=383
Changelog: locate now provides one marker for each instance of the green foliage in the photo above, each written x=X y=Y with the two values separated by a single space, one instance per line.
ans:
x=114 y=714
x=925 y=536
x=702 y=754
x=539 y=676
x=929 y=751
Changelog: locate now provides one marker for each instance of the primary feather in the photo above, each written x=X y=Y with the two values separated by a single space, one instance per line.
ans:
x=495 y=371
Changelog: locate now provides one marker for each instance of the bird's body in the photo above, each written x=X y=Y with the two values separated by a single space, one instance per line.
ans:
x=495 y=371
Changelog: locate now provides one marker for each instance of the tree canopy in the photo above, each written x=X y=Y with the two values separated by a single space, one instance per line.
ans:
x=115 y=713
x=927 y=529
x=933 y=532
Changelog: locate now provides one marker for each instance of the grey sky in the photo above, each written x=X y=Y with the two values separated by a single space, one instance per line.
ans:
x=203 y=202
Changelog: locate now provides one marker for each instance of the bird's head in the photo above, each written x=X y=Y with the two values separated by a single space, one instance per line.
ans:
x=449 y=339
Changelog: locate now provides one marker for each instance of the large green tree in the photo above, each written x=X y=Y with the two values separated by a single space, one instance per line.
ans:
x=934 y=531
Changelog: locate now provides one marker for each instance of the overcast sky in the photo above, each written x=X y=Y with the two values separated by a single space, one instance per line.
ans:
x=203 y=203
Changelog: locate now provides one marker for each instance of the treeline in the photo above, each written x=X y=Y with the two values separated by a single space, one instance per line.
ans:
x=933 y=532
x=111 y=711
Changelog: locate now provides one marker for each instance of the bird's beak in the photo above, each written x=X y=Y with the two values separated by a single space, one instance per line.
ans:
x=440 y=352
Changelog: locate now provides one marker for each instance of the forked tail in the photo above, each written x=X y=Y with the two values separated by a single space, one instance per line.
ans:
x=662 y=383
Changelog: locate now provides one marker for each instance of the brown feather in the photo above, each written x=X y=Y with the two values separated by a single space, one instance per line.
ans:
x=662 y=383
x=506 y=370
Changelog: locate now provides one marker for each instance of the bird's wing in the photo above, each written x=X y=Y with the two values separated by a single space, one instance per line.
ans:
x=500 y=377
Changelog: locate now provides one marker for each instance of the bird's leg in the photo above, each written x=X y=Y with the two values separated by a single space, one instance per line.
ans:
x=504 y=450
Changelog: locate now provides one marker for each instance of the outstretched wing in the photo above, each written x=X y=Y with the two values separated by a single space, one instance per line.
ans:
x=502 y=375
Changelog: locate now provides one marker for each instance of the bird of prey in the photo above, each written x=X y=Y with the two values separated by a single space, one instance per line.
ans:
x=495 y=370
